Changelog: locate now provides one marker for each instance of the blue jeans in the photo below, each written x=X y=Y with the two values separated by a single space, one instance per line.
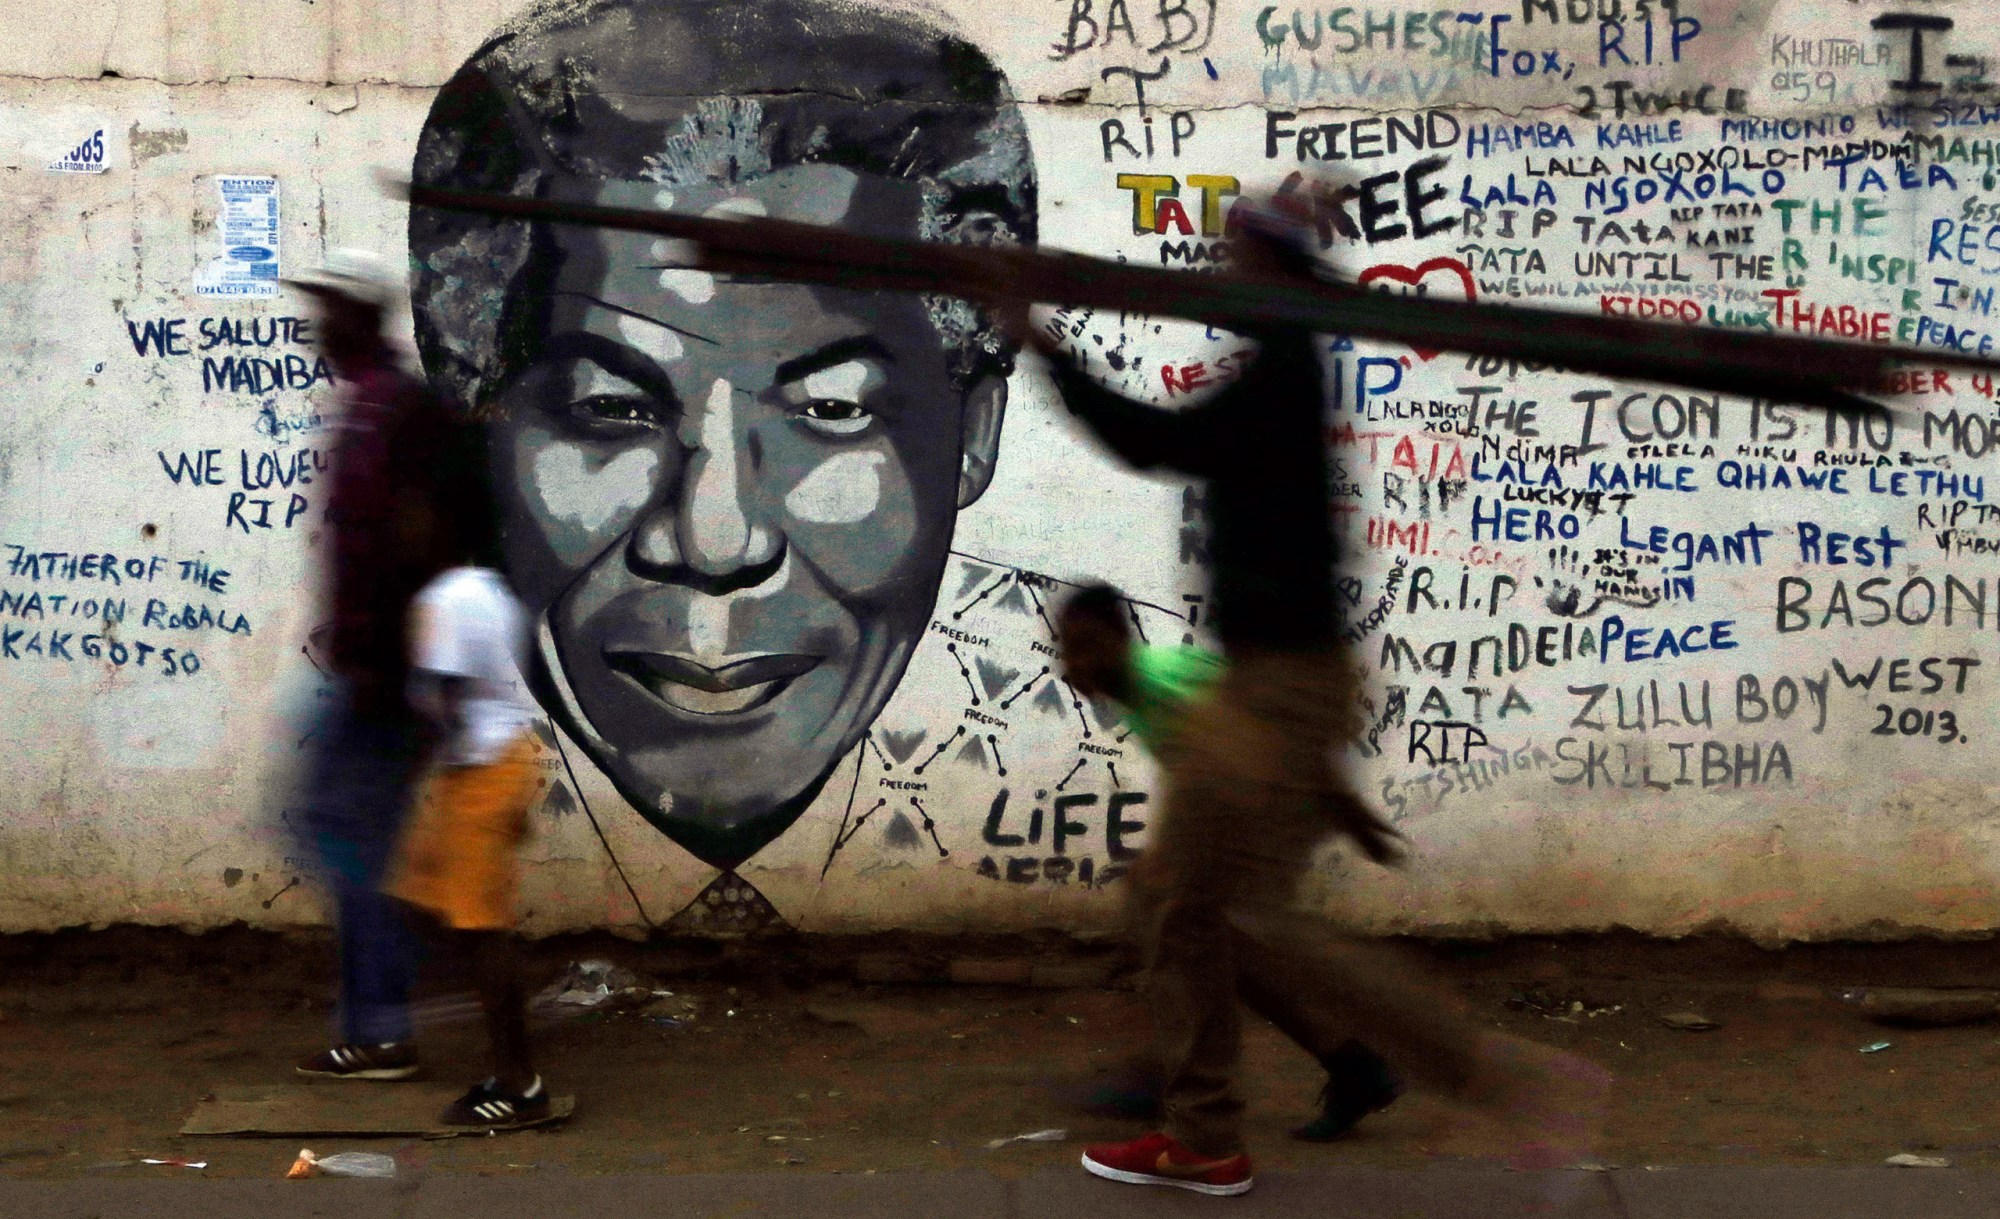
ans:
x=358 y=789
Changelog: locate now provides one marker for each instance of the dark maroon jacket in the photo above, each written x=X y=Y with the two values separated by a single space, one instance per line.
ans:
x=396 y=439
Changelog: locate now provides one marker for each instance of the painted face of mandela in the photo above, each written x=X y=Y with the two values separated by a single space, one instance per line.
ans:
x=727 y=502
x=730 y=502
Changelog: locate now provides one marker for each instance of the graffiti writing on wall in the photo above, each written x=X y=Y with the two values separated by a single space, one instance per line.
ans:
x=754 y=522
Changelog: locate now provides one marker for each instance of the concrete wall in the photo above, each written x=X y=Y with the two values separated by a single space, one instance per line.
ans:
x=1731 y=664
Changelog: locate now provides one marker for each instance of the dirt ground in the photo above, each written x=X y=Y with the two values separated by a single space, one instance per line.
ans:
x=778 y=1061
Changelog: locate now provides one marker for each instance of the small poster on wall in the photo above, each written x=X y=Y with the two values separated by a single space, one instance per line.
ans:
x=248 y=225
x=86 y=158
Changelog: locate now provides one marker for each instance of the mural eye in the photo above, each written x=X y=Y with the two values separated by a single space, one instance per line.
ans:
x=834 y=417
x=615 y=412
x=593 y=401
x=829 y=401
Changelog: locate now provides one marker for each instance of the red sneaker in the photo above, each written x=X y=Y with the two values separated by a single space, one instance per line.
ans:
x=1159 y=1160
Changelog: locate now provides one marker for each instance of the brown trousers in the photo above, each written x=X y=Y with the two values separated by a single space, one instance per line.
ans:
x=1251 y=796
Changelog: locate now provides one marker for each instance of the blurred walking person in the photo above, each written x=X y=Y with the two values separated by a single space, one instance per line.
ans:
x=381 y=547
x=456 y=862
x=1253 y=792
x=1154 y=687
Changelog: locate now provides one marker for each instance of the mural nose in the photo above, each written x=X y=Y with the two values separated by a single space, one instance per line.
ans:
x=715 y=524
x=707 y=529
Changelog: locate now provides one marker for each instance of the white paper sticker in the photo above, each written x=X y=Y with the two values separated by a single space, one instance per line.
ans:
x=248 y=226
x=86 y=158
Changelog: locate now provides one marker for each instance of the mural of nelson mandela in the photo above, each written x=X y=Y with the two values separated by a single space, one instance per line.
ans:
x=729 y=502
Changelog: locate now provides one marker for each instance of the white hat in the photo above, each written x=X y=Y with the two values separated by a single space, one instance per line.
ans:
x=358 y=275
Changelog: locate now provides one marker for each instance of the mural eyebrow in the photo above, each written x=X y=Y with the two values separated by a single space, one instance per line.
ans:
x=613 y=357
x=840 y=351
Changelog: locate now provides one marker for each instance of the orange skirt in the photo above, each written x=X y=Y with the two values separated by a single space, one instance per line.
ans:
x=456 y=859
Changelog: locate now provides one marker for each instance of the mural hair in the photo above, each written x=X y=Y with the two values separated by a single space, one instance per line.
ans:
x=677 y=92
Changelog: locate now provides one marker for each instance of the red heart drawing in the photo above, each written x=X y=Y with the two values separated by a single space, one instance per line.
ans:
x=1413 y=277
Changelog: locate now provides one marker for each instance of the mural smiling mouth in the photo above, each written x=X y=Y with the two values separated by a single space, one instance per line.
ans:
x=688 y=685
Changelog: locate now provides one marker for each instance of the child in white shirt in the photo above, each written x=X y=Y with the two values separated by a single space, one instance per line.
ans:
x=457 y=858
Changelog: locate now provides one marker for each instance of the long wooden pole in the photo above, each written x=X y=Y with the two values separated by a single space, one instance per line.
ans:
x=1781 y=368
